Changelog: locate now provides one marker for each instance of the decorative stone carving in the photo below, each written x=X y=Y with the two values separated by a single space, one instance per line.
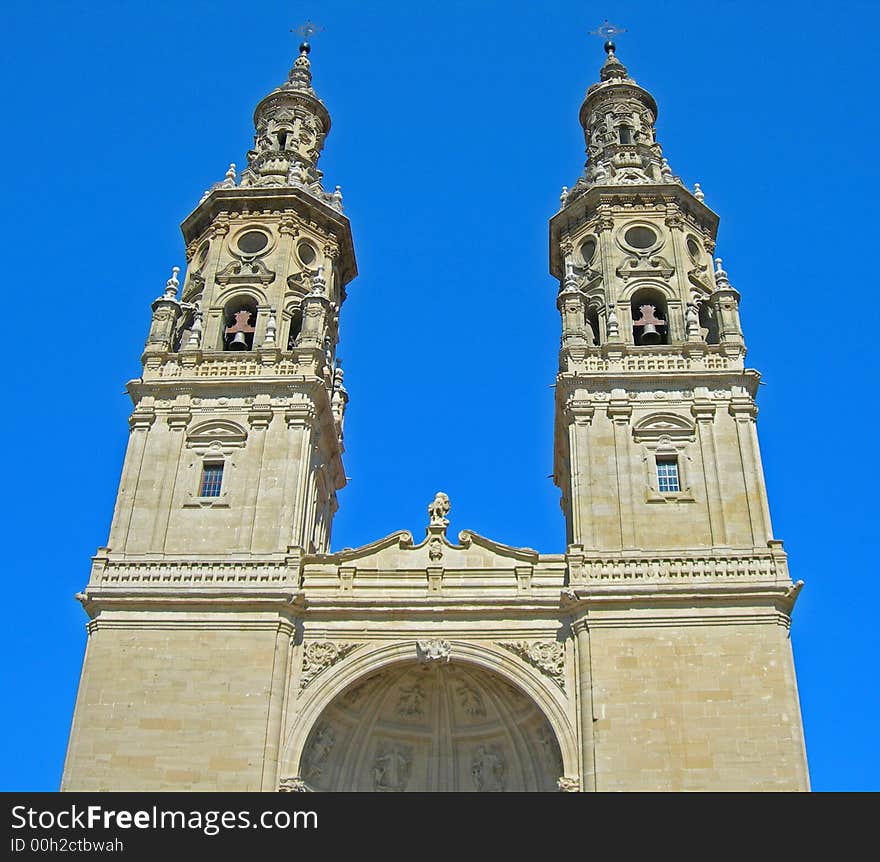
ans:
x=569 y=784
x=438 y=508
x=319 y=655
x=470 y=700
x=434 y=651
x=293 y=785
x=435 y=549
x=356 y=692
x=320 y=746
x=392 y=767
x=547 y=656
x=240 y=272
x=411 y=701
x=487 y=768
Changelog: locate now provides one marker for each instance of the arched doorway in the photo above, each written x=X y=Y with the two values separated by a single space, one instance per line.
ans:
x=449 y=727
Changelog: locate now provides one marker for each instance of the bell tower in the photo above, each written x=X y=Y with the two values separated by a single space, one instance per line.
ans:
x=230 y=477
x=236 y=432
x=656 y=446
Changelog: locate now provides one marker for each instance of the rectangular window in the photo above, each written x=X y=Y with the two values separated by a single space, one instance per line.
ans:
x=667 y=475
x=212 y=479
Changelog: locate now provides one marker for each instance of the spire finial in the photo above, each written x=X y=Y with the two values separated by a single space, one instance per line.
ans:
x=607 y=31
x=305 y=32
x=172 y=284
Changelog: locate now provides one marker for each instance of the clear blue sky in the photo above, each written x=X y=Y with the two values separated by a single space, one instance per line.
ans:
x=454 y=128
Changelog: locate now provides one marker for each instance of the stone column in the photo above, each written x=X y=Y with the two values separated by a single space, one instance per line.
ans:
x=703 y=411
x=178 y=419
x=585 y=704
x=277 y=694
x=744 y=411
x=259 y=417
x=619 y=412
x=140 y=423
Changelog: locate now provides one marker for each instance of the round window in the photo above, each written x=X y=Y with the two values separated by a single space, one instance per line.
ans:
x=307 y=253
x=588 y=249
x=693 y=247
x=252 y=242
x=640 y=237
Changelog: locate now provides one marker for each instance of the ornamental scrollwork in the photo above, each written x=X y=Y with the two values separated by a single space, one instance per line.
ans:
x=319 y=655
x=547 y=656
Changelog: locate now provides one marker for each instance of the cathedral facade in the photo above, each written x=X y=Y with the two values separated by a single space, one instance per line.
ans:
x=229 y=648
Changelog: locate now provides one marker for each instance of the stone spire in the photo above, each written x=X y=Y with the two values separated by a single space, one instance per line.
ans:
x=618 y=118
x=291 y=125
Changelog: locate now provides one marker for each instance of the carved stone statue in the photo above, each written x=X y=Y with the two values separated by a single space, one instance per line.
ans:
x=487 y=769
x=438 y=509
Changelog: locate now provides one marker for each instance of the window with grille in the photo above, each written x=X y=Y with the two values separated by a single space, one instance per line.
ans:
x=667 y=475
x=212 y=479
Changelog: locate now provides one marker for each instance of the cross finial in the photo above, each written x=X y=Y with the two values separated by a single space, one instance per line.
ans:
x=606 y=30
x=305 y=32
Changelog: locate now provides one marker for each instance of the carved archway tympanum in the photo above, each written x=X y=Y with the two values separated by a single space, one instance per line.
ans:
x=441 y=727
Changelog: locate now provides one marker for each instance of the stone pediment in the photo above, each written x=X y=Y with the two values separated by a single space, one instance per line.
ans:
x=398 y=552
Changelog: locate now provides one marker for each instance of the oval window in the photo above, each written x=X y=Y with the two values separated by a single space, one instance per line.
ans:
x=252 y=242
x=588 y=249
x=201 y=254
x=693 y=247
x=307 y=253
x=640 y=237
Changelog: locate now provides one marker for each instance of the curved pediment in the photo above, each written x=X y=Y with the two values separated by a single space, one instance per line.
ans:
x=217 y=430
x=397 y=552
x=659 y=425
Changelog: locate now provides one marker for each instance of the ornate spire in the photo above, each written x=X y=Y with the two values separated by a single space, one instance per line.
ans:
x=618 y=118
x=291 y=125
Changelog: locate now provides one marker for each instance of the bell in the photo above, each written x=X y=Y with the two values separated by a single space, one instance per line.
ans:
x=239 y=342
x=650 y=334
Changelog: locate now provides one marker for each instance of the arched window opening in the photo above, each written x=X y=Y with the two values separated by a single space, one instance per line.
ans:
x=650 y=322
x=708 y=323
x=625 y=135
x=296 y=325
x=593 y=324
x=240 y=319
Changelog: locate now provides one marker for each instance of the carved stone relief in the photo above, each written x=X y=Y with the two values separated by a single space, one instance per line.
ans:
x=319 y=655
x=392 y=767
x=487 y=768
x=547 y=656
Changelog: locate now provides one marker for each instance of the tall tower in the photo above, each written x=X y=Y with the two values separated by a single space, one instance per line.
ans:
x=656 y=446
x=676 y=580
x=233 y=462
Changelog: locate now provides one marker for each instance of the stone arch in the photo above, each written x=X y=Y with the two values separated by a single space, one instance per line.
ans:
x=480 y=722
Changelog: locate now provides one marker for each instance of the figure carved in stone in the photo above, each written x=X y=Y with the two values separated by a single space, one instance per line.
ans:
x=434 y=651
x=318 y=751
x=487 y=769
x=471 y=700
x=567 y=784
x=392 y=767
x=435 y=550
x=411 y=700
x=438 y=509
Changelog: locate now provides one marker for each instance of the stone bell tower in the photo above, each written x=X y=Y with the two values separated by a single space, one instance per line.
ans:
x=677 y=587
x=655 y=422
x=231 y=473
